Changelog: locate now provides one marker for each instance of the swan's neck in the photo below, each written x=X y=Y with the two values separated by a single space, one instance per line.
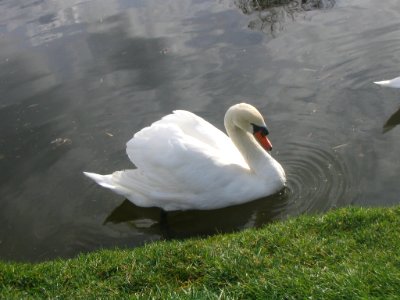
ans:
x=259 y=161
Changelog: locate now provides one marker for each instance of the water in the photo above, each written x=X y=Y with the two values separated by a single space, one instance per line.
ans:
x=78 y=78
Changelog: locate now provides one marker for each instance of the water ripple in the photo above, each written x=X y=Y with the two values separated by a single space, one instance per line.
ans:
x=318 y=179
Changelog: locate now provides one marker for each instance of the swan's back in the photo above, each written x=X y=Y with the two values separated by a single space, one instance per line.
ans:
x=165 y=143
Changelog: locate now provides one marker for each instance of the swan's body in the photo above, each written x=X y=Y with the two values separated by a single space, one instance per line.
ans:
x=393 y=83
x=183 y=162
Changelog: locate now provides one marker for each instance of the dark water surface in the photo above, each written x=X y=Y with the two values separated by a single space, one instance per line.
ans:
x=78 y=78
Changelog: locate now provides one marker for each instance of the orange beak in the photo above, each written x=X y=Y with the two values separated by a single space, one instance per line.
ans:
x=263 y=140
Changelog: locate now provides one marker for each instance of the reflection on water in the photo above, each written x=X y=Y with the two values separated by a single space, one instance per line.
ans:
x=178 y=224
x=79 y=78
x=45 y=21
x=393 y=121
x=271 y=14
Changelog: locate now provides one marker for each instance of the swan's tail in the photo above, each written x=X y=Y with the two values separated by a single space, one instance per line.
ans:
x=134 y=186
x=383 y=82
x=393 y=83
x=125 y=183
x=103 y=180
x=140 y=190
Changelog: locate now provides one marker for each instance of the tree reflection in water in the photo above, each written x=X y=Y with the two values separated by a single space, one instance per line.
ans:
x=271 y=14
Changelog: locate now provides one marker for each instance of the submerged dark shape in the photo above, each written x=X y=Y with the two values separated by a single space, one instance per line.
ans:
x=271 y=14
x=392 y=122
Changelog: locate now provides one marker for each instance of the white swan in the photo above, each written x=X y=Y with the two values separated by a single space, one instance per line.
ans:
x=183 y=162
x=393 y=83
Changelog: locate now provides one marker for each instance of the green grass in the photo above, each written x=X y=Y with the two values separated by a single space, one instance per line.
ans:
x=349 y=253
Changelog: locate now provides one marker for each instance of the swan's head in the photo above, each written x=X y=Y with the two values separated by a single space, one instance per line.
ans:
x=248 y=118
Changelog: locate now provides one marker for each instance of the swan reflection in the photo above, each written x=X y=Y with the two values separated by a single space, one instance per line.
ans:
x=184 y=224
x=392 y=122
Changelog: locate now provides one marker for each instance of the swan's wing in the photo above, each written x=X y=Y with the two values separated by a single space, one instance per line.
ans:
x=186 y=125
x=176 y=157
x=201 y=130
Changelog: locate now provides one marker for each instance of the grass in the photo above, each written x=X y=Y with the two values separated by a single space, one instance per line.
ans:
x=349 y=253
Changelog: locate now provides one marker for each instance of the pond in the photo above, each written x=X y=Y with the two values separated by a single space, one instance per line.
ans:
x=79 y=78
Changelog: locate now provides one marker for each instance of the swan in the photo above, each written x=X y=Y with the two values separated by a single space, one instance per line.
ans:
x=393 y=83
x=183 y=162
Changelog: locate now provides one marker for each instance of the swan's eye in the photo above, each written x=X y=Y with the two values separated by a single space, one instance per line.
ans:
x=262 y=129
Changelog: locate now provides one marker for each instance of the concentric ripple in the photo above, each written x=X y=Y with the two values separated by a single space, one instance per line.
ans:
x=318 y=178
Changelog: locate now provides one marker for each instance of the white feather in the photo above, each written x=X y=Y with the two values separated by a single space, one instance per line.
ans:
x=393 y=83
x=183 y=162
